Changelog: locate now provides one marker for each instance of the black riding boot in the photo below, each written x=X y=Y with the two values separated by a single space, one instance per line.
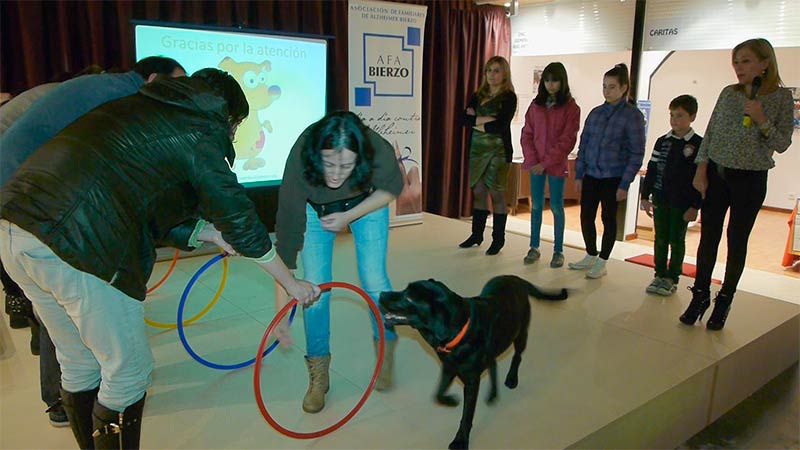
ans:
x=478 y=225
x=498 y=233
x=117 y=430
x=78 y=406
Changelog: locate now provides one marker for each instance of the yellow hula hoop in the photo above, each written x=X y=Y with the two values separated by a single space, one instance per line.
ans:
x=170 y=326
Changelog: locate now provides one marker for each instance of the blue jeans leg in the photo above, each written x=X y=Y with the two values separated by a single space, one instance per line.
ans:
x=371 y=236
x=317 y=259
x=557 y=207
x=537 y=206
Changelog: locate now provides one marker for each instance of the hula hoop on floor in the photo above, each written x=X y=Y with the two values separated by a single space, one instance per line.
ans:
x=171 y=326
x=180 y=325
x=257 y=373
x=166 y=275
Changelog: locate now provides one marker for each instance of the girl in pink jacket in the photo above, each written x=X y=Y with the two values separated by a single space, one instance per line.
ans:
x=549 y=134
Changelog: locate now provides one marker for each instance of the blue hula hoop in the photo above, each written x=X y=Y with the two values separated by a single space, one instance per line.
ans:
x=182 y=335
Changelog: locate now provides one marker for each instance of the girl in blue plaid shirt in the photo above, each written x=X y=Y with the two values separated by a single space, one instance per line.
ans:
x=610 y=155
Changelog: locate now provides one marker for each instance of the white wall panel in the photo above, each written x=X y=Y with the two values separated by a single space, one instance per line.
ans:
x=573 y=26
x=719 y=24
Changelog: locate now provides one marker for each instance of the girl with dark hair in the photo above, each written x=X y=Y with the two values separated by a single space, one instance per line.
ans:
x=549 y=134
x=339 y=174
x=732 y=165
x=610 y=155
x=488 y=115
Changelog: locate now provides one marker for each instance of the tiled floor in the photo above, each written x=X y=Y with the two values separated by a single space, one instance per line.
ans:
x=581 y=369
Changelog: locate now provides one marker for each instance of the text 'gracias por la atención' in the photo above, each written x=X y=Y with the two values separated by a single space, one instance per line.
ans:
x=228 y=48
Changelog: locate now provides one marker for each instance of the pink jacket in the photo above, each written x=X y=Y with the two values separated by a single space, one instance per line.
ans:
x=549 y=136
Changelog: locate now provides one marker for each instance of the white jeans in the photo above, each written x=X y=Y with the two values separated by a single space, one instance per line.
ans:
x=98 y=332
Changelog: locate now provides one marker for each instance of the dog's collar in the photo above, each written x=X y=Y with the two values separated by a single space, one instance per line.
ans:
x=456 y=340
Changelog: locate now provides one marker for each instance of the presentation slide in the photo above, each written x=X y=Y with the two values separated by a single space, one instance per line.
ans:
x=283 y=77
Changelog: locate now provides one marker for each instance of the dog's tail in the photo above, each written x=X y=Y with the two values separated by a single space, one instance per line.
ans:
x=533 y=291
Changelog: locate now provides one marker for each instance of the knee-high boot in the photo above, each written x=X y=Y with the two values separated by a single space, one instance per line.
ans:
x=478 y=225
x=117 y=430
x=498 y=233
x=78 y=406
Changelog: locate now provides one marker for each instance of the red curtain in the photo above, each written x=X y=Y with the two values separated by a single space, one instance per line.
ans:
x=453 y=70
x=41 y=40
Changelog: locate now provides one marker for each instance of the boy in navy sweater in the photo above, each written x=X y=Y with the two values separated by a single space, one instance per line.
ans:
x=668 y=195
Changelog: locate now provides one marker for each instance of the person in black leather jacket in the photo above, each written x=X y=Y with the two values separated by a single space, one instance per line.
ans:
x=81 y=218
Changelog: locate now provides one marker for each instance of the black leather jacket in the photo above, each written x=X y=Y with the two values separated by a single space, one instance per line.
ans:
x=131 y=175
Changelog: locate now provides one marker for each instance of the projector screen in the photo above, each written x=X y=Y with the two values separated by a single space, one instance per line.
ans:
x=283 y=77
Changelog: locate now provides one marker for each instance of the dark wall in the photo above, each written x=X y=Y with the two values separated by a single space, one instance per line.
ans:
x=266 y=200
x=43 y=39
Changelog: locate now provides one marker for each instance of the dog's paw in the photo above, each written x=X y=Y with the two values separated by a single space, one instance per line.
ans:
x=459 y=444
x=447 y=400
x=491 y=399
x=511 y=382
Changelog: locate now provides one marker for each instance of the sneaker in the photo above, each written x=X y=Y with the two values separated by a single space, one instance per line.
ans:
x=532 y=256
x=557 y=261
x=58 y=417
x=654 y=285
x=598 y=270
x=586 y=263
x=668 y=287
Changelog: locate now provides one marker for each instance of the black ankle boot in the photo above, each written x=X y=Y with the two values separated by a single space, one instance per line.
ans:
x=78 y=406
x=117 y=430
x=722 y=306
x=478 y=225
x=18 y=308
x=498 y=233
x=701 y=300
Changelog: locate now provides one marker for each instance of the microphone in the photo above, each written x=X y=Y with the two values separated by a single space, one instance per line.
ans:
x=754 y=87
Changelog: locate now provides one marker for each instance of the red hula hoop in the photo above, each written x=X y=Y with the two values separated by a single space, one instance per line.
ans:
x=169 y=272
x=257 y=373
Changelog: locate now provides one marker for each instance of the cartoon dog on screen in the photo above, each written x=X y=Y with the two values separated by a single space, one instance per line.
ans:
x=250 y=137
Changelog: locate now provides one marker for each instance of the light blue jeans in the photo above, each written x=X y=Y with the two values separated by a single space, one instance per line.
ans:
x=556 y=206
x=98 y=331
x=371 y=237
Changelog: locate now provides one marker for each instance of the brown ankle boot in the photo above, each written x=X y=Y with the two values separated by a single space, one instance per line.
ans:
x=318 y=383
x=384 y=381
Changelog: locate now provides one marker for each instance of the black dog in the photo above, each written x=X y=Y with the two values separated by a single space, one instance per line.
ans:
x=468 y=333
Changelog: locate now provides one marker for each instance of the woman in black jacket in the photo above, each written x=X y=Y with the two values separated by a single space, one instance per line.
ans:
x=488 y=114
x=81 y=218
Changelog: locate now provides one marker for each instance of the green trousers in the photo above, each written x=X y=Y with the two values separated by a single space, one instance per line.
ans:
x=670 y=234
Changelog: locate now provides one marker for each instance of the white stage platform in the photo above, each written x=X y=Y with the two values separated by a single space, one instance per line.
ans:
x=611 y=367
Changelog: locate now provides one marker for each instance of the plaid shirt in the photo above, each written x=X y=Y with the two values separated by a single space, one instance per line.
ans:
x=612 y=143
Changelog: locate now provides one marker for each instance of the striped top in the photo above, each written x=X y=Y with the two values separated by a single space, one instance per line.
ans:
x=729 y=143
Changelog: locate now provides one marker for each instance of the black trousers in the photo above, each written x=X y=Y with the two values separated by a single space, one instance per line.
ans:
x=743 y=191
x=597 y=192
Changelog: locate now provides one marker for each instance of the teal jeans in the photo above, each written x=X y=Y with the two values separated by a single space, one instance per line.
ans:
x=371 y=237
